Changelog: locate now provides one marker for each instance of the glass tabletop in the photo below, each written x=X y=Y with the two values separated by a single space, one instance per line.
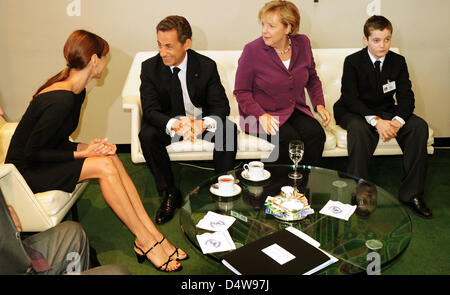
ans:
x=378 y=217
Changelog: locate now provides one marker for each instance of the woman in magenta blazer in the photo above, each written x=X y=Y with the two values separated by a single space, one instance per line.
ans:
x=272 y=74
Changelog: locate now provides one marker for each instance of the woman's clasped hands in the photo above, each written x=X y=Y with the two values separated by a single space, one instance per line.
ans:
x=101 y=147
x=98 y=147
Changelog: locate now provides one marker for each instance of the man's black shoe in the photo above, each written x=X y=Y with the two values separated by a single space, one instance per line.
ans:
x=418 y=207
x=172 y=201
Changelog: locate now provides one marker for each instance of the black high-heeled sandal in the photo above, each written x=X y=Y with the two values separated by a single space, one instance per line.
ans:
x=163 y=267
x=175 y=252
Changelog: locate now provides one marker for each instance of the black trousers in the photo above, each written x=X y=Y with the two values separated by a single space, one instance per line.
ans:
x=362 y=140
x=303 y=127
x=154 y=141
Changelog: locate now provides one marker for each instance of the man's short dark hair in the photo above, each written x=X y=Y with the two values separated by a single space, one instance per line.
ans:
x=179 y=23
x=376 y=22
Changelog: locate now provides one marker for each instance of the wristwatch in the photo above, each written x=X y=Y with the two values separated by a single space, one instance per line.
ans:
x=374 y=121
x=207 y=124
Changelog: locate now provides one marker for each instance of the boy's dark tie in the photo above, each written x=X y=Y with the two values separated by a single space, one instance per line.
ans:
x=378 y=72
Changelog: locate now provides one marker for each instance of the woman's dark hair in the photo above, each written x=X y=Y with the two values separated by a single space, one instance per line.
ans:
x=79 y=48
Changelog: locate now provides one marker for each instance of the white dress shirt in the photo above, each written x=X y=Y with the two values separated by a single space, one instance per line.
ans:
x=190 y=109
x=373 y=59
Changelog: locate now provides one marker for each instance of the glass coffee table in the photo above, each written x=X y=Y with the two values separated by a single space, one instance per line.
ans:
x=379 y=223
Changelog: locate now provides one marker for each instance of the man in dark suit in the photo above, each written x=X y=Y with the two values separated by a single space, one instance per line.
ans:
x=181 y=97
x=61 y=249
x=367 y=110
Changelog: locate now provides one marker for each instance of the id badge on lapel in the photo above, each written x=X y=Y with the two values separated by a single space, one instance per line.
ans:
x=389 y=86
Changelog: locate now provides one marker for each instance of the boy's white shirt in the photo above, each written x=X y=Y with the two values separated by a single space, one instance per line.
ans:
x=370 y=117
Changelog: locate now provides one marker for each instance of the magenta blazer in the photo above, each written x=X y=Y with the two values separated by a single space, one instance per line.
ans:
x=264 y=85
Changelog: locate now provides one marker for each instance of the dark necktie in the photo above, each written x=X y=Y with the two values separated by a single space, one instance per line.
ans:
x=176 y=94
x=378 y=72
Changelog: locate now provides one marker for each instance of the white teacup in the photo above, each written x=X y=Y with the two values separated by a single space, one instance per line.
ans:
x=255 y=169
x=287 y=191
x=226 y=183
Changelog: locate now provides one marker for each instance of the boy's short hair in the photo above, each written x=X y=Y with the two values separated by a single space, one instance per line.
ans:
x=178 y=23
x=376 y=22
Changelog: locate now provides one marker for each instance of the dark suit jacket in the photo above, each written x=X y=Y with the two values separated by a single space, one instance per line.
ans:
x=361 y=95
x=203 y=83
x=13 y=257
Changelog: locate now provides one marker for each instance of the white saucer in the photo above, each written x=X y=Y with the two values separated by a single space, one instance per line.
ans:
x=266 y=175
x=236 y=190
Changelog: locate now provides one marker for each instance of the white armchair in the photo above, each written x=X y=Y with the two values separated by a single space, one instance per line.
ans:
x=37 y=212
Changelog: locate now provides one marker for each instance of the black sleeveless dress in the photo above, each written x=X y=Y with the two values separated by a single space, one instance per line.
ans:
x=40 y=147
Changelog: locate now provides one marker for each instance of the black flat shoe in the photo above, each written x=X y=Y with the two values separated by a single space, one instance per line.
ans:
x=171 y=202
x=175 y=252
x=163 y=267
x=418 y=207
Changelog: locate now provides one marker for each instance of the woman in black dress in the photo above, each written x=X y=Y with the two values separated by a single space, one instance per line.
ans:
x=41 y=150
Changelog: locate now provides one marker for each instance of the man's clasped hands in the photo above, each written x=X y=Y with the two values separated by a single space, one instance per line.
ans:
x=188 y=127
x=387 y=129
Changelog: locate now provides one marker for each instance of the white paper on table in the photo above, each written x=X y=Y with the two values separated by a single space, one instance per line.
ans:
x=277 y=253
x=338 y=210
x=215 y=242
x=215 y=222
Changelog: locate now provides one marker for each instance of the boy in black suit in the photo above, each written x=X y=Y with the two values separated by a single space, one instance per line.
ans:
x=367 y=110
x=181 y=96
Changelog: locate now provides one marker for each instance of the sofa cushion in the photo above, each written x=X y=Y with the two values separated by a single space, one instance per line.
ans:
x=252 y=143
x=187 y=146
x=330 y=141
x=245 y=143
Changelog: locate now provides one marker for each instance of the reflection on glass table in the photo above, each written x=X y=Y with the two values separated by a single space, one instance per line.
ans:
x=379 y=223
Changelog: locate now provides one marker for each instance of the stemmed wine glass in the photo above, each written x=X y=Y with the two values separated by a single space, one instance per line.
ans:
x=296 y=150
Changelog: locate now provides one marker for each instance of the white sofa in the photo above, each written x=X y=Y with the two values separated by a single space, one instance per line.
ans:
x=329 y=64
x=37 y=212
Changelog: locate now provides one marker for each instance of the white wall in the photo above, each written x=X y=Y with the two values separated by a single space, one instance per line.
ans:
x=33 y=34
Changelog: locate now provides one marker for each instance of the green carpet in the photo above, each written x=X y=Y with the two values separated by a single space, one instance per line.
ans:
x=427 y=253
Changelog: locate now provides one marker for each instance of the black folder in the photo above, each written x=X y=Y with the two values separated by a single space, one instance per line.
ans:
x=251 y=260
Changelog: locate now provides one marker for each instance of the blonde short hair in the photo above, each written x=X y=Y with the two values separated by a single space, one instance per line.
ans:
x=287 y=11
